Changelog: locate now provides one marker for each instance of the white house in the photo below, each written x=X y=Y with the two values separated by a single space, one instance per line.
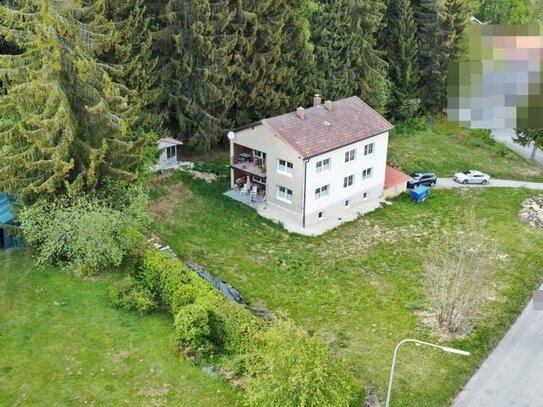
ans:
x=314 y=168
x=169 y=154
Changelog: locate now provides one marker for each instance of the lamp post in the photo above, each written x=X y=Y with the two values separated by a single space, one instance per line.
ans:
x=443 y=348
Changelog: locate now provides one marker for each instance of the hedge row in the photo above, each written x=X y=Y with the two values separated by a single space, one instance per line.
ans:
x=282 y=365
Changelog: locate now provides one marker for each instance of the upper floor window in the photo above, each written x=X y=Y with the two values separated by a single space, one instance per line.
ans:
x=368 y=148
x=323 y=165
x=348 y=181
x=322 y=191
x=367 y=173
x=350 y=155
x=284 y=167
x=284 y=194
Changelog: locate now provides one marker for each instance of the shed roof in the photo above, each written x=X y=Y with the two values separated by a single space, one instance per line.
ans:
x=168 y=142
x=394 y=177
x=6 y=215
x=350 y=120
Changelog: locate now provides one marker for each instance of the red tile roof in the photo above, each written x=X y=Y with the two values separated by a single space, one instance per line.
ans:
x=394 y=177
x=322 y=130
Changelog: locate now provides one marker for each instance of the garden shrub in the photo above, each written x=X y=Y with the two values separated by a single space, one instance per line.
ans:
x=288 y=368
x=413 y=125
x=193 y=330
x=129 y=295
x=480 y=137
x=84 y=234
x=502 y=151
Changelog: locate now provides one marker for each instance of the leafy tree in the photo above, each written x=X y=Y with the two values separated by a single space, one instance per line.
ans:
x=525 y=137
x=84 y=234
x=400 y=42
x=347 y=60
x=68 y=111
x=289 y=368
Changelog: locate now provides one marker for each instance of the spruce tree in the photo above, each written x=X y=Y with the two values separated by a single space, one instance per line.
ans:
x=66 y=117
x=275 y=59
x=347 y=59
x=399 y=40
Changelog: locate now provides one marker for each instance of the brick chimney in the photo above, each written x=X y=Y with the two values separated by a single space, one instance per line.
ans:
x=317 y=100
x=328 y=105
x=300 y=112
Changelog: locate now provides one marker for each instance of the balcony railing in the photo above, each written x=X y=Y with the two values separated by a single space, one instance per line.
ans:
x=256 y=166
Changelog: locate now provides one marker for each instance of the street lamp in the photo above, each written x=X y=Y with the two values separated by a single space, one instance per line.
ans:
x=443 y=348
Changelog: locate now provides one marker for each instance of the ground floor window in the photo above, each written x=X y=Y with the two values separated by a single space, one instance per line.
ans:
x=284 y=194
x=366 y=174
x=348 y=181
x=170 y=152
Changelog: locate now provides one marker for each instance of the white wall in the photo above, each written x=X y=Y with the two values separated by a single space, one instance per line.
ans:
x=340 y=169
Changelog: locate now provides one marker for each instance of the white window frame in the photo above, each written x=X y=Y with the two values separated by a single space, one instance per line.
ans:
x=282 y=193
x=284 y=169
x=369 y=148
x=367 y=173
x=322 y=192
x=323 y=165
x=350 y=155
x=348 y=179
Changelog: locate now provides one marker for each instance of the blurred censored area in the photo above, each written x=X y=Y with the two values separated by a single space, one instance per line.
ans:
x=500 y=86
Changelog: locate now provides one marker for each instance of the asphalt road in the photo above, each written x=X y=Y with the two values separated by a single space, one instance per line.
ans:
x=512 y=376
x=450 y=183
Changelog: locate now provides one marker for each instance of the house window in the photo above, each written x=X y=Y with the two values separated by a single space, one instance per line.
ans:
x=323 y=165
x=350 y=155
x=366 y=174
x=170 y=152
x=284 y=194
x=368 y=148
x=348 y=181
x=365 y=195
x=347 y=203
x=284 y=167
x=321 y=214
x=322 y=191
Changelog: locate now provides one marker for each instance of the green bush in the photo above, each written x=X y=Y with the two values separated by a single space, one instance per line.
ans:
x=127 y=294
x=288 y=368
x=84 y=234
x=193 y=331
x=480 y=137
x=413 y=125
x=502 y=151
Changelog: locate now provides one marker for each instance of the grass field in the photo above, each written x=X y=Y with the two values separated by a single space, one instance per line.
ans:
x=359 y=287
x=445 y=149
x=62 y=344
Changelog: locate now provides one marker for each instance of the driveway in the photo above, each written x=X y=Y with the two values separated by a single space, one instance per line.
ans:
x=505 y=136
x=512 y=376
x=450 y=183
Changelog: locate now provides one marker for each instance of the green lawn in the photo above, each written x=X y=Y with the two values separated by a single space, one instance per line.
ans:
x=62 y=344
x=359 y=286
x=445 y=148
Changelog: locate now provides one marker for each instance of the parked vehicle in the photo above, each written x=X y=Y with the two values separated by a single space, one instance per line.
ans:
x=427 y=178
x=420 y=193
x=472 y=177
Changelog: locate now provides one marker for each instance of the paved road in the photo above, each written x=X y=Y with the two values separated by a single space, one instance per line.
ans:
x=505 y=136
x=512 y=376
x=450 y=183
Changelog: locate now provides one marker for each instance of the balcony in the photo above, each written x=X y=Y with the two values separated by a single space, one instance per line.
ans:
x=249 y=161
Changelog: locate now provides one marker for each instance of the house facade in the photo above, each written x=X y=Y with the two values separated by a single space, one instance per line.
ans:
x=314 y=164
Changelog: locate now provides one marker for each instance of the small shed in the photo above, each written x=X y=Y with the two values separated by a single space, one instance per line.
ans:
x=169 y=154
x=7 y=223
x=395 y=182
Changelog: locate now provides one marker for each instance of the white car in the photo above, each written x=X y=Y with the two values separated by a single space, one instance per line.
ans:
x=472 y=177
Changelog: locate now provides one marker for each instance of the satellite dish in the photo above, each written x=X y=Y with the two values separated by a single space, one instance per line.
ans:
x=231 y=135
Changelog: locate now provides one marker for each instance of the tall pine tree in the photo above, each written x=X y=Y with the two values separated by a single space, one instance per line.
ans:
x=347 y=60
x=399 y=40
x=66 y=117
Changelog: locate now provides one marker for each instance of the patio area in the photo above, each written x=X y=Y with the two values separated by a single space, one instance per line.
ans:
x=246 y=199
